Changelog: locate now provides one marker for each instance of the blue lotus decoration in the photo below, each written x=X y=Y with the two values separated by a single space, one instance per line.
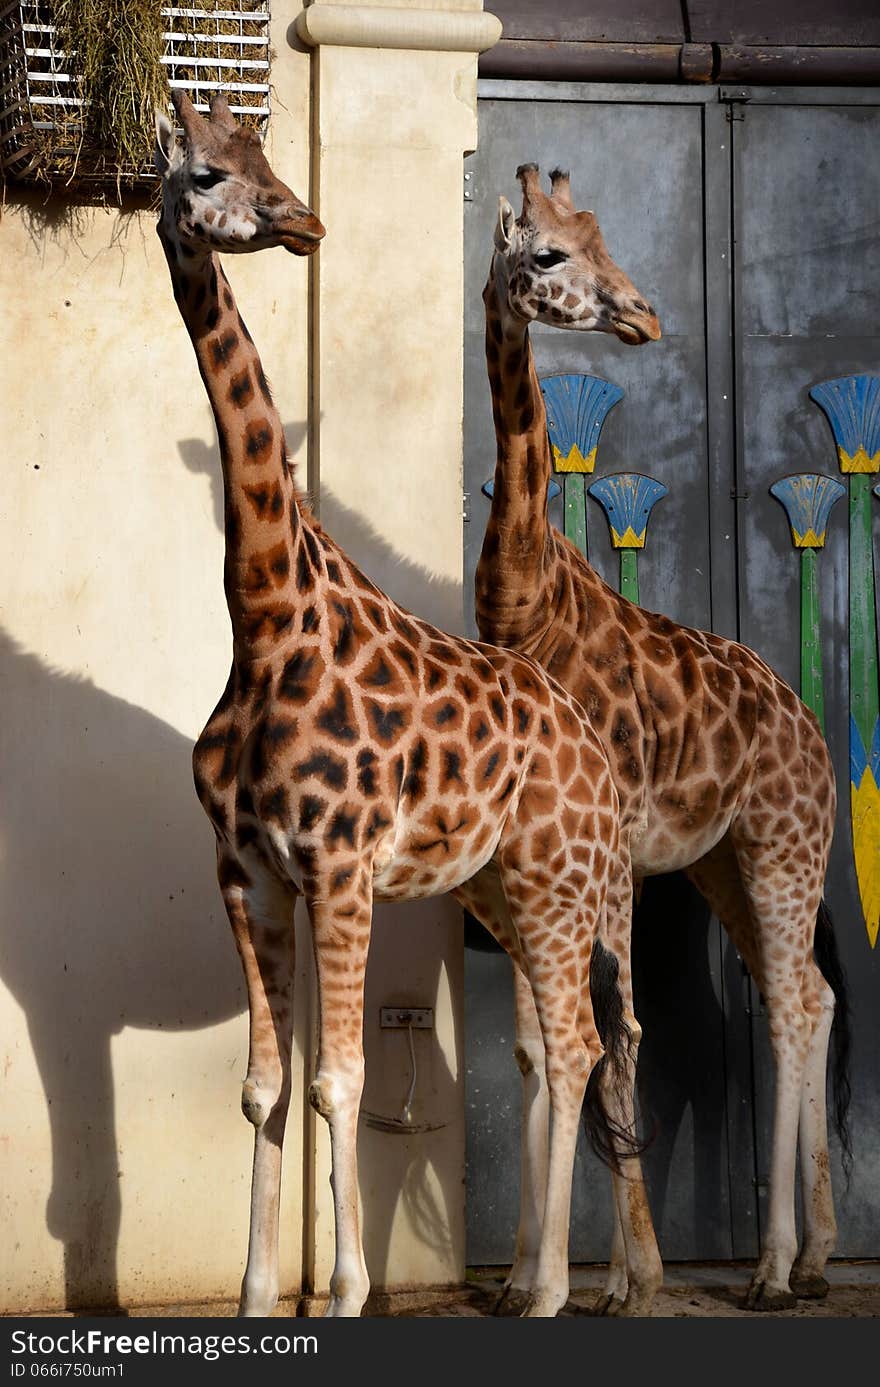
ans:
x=577 y=407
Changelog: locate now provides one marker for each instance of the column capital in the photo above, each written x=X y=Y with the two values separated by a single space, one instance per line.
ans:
x=396 y=26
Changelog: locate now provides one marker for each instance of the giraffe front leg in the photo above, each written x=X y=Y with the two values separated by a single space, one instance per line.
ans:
x=262 y=922
x=341 y=936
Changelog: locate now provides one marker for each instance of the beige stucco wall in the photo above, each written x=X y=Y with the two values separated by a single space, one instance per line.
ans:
x=125 y=1160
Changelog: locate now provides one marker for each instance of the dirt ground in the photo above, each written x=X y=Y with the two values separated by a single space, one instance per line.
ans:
x=690 y=1290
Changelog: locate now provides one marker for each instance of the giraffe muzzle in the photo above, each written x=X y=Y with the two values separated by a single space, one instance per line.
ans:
x=301 y=236
x=636 y=332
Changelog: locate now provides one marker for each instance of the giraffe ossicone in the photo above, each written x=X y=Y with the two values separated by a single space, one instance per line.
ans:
x=359 y=753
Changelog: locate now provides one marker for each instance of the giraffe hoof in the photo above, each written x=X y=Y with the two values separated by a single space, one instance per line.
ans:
x=607 y=1305
x=764 y=1297
x=541 y=1307
x=513 y=1300
x=808 y=1285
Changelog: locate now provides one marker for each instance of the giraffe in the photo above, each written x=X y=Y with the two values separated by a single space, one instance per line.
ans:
x=359 y=753
x=721 y=770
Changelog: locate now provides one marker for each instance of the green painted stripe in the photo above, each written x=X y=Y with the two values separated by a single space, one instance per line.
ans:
x=864 y=699
x=812 y=691
x=575 y=510
x=629 y=574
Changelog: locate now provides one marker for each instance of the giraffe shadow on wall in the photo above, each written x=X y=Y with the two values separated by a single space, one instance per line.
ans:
x=400 y=1173
x=433 y=598
x=93 y=938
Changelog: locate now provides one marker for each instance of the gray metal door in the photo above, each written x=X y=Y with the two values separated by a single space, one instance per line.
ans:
x=806 y=201
x=712 y=206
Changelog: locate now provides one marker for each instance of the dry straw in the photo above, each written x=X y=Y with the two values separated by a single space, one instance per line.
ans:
x=80 y=80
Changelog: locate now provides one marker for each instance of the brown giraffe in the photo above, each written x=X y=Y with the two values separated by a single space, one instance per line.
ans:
x=721 y=770
x=359 y=753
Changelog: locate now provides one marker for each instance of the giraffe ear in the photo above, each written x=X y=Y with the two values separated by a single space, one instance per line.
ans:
x=505 y=225
x=166 y=150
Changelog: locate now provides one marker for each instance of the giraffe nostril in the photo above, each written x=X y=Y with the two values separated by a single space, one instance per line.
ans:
x=642 y=307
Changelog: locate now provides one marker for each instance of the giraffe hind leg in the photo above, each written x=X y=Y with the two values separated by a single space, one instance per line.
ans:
x=635 y=1272
x=743 y=889
x=484 y=897
x=557 y=922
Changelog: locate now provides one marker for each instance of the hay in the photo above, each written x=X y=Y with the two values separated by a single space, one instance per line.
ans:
x=114 y=50
x=77 y=100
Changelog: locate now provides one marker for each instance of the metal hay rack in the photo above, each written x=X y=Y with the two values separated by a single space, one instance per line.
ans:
x=207 y=47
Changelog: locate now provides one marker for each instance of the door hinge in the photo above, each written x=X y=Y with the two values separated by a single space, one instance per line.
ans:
x=466 y=506
x=469 y=187
x=734 y=112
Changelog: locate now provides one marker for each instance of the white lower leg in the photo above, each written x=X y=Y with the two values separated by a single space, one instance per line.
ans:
x=551 y=1285
x=338 y=1101
x=643 y=1270
x=616 y=1282
x=260 y=1284
x=770 y=1284
x=533 y=1163
x=820 y=1228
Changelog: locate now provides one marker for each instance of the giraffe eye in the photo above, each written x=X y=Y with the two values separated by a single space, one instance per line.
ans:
x=207 y=180
x=547 y=259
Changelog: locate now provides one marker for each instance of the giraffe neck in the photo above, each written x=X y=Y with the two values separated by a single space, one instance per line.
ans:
x=262 y=519
x=517 y=565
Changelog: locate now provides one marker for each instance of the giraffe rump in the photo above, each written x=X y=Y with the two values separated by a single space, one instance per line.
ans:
x=612 y=1074
x=829 y=964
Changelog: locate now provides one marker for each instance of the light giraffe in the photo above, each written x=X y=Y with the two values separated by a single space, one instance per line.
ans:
x=721 y=770
x=360 y=753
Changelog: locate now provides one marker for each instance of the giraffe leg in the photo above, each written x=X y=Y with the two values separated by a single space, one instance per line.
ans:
x=341 y=935
x=611 y=1299
x=484 y=898
x=262 y=922
x=555 y=942
x=641 y=1275
x=721 y=879
x=534 y=1152
x=807 y=1279
x=773 y=932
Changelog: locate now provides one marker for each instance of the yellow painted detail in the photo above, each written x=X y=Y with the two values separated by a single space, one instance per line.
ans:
x=865 y=803
x=859 y=462
x=574 y=461
x=808 y=541
x=629 y=539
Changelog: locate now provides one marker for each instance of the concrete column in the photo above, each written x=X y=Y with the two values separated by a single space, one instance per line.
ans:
x=394 y=111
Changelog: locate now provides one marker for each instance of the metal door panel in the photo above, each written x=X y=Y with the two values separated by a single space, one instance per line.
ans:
x=783 y=187
x=807 y=213
x=640 y=168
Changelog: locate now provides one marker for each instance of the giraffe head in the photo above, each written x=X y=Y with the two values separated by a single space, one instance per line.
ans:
x=551 y=266
x=218 y=191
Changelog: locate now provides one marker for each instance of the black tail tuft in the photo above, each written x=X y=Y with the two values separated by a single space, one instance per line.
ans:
x=610 y=1141
x=831 y=968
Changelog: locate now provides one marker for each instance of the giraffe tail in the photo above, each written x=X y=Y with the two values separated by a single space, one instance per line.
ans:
x=612 y=1078
x=828 y=961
